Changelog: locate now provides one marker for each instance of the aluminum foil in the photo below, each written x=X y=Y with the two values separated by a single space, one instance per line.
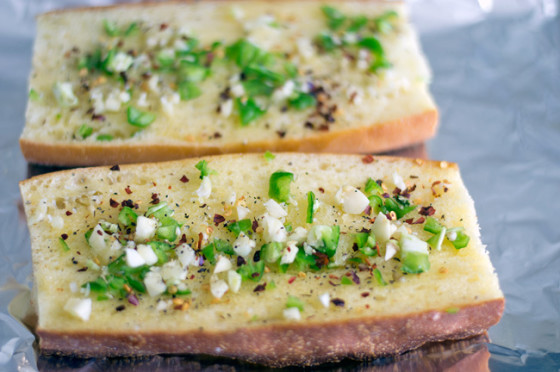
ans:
x=496 y=79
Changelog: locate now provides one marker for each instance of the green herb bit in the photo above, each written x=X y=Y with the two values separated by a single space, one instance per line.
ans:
x=326 y=42
x=244 y=53
x=384 y=23
x=271 y=285
x=165 y=58
x=88 y=234
x=372 y=187
x=262 y=73
x=329 y=239
x=302 y=101
x=217 y=245
x=452 y=310
x=310 y=206
x=372 y=44
x=168 y=229
x=288 y=227
x=268 y=156
x=91 y=61
x=159 y=211
x=131 y=29
x=111 y=28
x=188 y=90
x=335 y=18
x=84 y=131
x=376 y=202
x=437 y=240
x=293 y=301
x=192 y=72
x=366 y=243
x=379 y=278
x=252 y=271
x=248 y=111
x=202 y=166
x=291 y=70
x=162 y=250
x=271 y=252
x=346 y=280
x=127 y=216
x=304 y=262
x=279 y=186
x=139 y=118
x=34 y=95
x=461 y=241
x=208 y=253
x=64 y=245
x=432 y=225
x=357 y=24
x=356 y=260
x=104 y=137
x=257 y=87
x=240 y=226
x=400 y=205
x=380 y=62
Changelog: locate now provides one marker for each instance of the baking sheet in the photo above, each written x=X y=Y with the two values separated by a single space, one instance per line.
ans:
x=496 y=79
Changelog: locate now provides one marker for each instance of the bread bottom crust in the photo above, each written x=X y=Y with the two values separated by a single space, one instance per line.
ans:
x=297 y=344
x=371 y=139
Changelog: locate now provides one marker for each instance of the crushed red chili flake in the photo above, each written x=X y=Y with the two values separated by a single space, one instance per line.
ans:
x=409 y=221
x=367 y=159
x=113 y=203
x=386 y=195
x=321 y=259
x=255 y=275
x=68 y=213
x=321 y=190
x=377 y=249
x=82 y=269
x=120 y=308
x=199 y=243
x=99 y=232
x=128 y=190
x=218 y=219
x=254 y=225
x=115 y=168
x=355 y=277
x=183 y=239
x=240 y=261
x=64 y=236
x=191 y=277
x=338 y=302
x=332 y=276
x=260 y=287
x=333 y=284
x=365 y=294
x=291 y=280
x=184 y=179
x=163 y=26
x=367 y=211
x=155 y=199
x=281 y=133
x=129 y=203
x=427 y=211
x=98 y=117
x=132 y=299
x=397 y=191
x=419 y=221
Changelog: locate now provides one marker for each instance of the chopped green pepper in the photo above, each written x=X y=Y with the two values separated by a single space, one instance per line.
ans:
x=279 y=186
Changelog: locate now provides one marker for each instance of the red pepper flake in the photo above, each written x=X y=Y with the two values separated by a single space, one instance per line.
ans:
x=321 y=259
x=64 y=236
x=163 y=26
x=333 y=284
x=368 y=159
x=98 y=117
x=427 y=211
x=115 y=168
x=260 y=287
x=281 y=133
x=338 y=302
x=184 y=179
x=367 y=306
x=255 y=275
x=433 y=185
x=397 y=191
x=365 y=294
x=355 y=277
x=218 y=219
x=332 y=276
x=129 y=203
x=120 y=308
x=321 y=190
x=409 y=221
x=113 y=203
x=240 y=261
x=291 y=280
x=128 y=190
x=377 y=249
x=132 y=299
x=82 y=269
x=254 y=225
x=199 y=243
x=191 y=277
x=183 y=239
x=68 y=213
x=99 y=232
x=367 y=211
x=155 y=199
x=419 y=221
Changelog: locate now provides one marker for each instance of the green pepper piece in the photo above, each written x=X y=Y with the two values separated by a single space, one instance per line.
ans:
x=139 y=118
x=279 y=186
x=271 y=252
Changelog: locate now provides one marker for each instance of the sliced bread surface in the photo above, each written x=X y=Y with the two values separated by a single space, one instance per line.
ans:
x=322 y=305
x=222 y=77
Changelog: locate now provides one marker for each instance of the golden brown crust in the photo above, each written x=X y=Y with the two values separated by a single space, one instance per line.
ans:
x=294 y=344
x=370 y=139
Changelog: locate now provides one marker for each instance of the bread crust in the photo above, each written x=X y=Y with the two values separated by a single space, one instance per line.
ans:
x=374 y=138
x=302 y=344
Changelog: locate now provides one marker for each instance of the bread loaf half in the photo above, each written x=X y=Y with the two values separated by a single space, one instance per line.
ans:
x=287 y=259
x=152 y=82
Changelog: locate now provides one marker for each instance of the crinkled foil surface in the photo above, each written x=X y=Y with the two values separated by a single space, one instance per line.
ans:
x=496 y=79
